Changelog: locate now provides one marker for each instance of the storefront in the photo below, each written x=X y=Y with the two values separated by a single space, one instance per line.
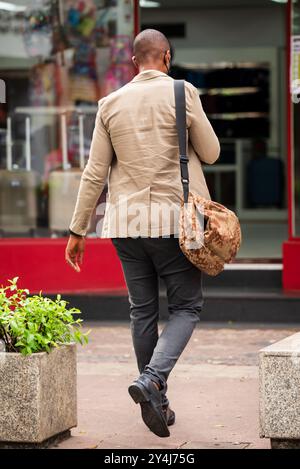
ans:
x=291 y=248
x=57 y=58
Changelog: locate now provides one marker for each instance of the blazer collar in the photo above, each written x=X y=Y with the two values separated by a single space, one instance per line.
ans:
x=148 y=74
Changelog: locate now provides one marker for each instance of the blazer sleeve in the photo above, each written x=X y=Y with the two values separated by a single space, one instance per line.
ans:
x=94 y=176
x=201 y=134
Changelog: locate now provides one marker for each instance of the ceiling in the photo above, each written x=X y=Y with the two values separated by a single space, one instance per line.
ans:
x=215 y=3
x=181 y=3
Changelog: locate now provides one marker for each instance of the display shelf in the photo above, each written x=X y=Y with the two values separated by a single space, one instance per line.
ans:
x=222 y=64
x=238 y=115
x=228 y=91
x=221 y=168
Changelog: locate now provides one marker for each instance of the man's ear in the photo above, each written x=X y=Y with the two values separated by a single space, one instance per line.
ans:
x=134 y=61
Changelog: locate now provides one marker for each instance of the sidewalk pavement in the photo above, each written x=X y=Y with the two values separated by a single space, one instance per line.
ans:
x=213 y=389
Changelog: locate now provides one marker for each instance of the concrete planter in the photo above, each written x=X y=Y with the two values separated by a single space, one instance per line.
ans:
x=279 y=403
x=38 y=397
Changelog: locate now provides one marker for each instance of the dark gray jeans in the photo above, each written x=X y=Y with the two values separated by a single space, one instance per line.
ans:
x=144 y=261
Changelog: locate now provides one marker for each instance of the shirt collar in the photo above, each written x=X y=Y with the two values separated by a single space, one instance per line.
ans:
x=148 y=74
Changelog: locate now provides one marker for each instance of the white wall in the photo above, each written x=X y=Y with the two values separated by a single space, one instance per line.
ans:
x=231 y=27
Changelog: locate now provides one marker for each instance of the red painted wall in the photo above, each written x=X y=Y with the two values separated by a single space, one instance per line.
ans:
x=291 y=265
x=40 y=265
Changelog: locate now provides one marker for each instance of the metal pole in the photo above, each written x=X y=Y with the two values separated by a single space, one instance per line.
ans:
x=64 y=144
x=61 y=24
x=8 y=145
x=28 y=144
x=81 y=141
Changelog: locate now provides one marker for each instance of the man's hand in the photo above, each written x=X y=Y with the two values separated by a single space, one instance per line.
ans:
x=74 y=252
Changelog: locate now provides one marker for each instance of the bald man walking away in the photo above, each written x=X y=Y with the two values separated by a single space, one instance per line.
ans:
x=135 y=145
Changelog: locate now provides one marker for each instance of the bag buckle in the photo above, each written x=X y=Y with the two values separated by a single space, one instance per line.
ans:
x=183 y=159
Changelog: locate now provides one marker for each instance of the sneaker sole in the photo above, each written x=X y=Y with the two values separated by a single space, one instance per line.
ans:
x=151 y=416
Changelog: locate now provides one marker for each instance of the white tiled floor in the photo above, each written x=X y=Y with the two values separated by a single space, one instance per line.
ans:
x=262 y=240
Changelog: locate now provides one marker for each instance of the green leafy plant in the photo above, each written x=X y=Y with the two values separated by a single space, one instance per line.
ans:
x=30 y=324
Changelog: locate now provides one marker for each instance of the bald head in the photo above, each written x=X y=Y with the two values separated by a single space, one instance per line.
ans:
x=150 y=46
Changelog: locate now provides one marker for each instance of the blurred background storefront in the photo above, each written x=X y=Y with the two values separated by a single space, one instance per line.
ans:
x=57 y=58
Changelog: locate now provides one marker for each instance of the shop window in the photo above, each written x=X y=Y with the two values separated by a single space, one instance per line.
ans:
x=236 y=98
x=65 y=56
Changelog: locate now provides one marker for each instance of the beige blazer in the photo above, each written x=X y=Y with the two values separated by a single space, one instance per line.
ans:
x=135 y=146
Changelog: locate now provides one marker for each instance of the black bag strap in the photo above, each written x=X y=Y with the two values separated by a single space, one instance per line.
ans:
x=180 y=108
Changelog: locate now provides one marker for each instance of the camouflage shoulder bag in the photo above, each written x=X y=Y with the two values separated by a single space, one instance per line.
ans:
x=209 y=233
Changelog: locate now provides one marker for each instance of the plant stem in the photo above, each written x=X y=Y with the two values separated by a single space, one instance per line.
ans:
x=6 y=339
